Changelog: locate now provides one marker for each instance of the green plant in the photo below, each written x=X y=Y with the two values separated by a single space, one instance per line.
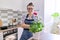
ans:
x=55 y=15
x=36 y=27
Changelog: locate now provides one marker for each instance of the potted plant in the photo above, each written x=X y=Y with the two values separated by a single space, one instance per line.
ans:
x=56 y=24
x=36 y=28
x=55 y=16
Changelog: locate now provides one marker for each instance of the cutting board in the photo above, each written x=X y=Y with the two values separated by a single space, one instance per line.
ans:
x=1 y=23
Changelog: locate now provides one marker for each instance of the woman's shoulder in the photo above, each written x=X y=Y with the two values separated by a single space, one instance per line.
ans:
x=24 y=15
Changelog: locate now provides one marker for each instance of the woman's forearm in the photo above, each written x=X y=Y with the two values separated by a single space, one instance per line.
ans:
x=25 y=25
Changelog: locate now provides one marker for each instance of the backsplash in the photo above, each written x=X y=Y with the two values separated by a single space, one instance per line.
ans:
x=7 y=14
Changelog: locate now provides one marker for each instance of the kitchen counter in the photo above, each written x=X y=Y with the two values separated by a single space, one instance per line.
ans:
x=19 y=31
x=10 y=28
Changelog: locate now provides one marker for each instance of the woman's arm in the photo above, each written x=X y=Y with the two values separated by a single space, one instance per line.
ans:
x=25 y=25
x=22 y=24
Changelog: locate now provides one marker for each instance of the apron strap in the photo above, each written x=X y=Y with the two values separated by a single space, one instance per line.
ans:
x=28 y=15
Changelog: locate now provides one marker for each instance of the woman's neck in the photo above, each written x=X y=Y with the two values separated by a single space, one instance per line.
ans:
x=30 y=14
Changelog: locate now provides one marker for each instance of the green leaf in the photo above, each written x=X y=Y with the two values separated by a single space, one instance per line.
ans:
x=36 y=27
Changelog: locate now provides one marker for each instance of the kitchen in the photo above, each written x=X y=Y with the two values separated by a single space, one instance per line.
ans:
x=11 y=12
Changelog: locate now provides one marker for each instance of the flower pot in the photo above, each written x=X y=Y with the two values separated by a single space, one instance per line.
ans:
x=36 y=36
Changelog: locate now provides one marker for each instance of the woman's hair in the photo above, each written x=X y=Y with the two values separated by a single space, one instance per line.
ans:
x=30 y=4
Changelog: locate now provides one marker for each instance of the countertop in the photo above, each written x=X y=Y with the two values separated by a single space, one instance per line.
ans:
x=10 y=28
x=20 y=31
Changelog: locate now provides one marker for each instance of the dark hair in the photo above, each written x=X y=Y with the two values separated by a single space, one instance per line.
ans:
x=30 y=4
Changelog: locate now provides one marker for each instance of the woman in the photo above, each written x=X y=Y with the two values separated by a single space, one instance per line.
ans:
x=26 y=21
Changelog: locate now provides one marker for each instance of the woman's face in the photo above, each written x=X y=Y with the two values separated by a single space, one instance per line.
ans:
x=30 y=9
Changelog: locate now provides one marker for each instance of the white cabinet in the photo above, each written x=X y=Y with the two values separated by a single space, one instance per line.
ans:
x=1 y=36
x=20 y=30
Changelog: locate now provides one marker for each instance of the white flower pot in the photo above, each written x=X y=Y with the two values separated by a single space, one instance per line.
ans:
x=36 y=36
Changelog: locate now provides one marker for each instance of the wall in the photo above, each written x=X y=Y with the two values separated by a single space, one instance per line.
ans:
x=51 y=6
x=7 y=8
x=6 y=15
x=57 y=6
x=11 y=4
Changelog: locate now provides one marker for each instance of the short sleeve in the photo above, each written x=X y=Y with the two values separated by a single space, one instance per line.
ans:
x=35 y=18
x=23 y=18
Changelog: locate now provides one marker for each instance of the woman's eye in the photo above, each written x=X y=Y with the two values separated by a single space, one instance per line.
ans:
x=29 y=8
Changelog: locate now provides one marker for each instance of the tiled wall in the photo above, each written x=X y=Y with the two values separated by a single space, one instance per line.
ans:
x=7 y=14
